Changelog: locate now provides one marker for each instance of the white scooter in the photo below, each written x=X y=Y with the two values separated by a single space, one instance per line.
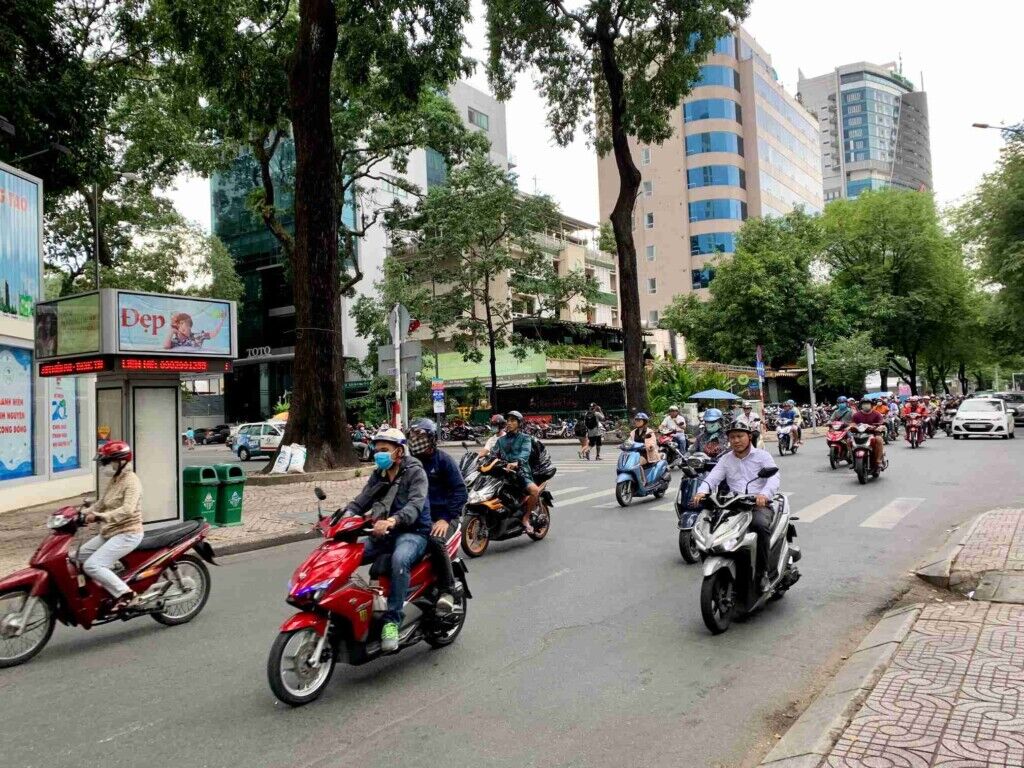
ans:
x=785 y=433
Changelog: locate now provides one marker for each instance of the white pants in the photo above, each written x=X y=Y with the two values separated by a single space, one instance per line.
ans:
x=98 y=554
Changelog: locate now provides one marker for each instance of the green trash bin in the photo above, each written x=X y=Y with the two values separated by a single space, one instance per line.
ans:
x=231 y=479
x=201 y=492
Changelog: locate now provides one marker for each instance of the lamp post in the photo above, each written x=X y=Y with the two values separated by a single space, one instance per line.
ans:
x=1005 y=128
x=96 y=221
x=810 y=383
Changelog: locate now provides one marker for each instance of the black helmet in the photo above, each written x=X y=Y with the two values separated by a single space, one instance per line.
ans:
x=739 y=426
x=426 y=425
x=515 y=415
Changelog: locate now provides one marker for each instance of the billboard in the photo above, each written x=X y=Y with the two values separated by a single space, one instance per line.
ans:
x=64 y=424
x=68 y=326
x=15 y=412
x=173 y=325
x=20 y=243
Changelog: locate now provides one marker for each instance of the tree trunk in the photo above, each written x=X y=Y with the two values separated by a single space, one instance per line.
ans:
x=883 y=374
x=491 y=344
x=622 y=225
x=961 y=374
x=317 y=415
x=96 y=222
x=912 y=373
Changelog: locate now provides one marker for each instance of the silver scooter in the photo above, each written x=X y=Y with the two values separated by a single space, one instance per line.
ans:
x=729 y=550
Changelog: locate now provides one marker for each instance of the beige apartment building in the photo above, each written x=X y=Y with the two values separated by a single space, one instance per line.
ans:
x=743 y=147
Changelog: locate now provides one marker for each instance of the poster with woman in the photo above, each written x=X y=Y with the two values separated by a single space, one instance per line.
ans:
x=173 y=325
x=15 y=412
x=64 y=423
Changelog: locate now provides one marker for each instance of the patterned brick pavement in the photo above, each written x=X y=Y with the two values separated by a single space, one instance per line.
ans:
x=953 y=695
x=996 y=544
x=269 y=512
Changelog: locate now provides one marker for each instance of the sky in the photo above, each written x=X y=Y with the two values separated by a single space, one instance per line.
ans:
x=967 y=55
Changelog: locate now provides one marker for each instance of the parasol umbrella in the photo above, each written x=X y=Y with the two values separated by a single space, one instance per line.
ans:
x=714 y=394
x=875 y=395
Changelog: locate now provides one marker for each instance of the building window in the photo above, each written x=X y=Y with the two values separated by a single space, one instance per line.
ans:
x=613 y=283
x=615 y=317
x=648 y=188
x=701 y=278
x=479 y=119
x=723 y=208
x=714 y=141
x=645 y=156
x=712 y=109
x=712 y=242
x=652 y=285
x=650 y=252
x=437 y=168
x=648 y=221
x=652 y=318
x=716 y=175
x=716 y=74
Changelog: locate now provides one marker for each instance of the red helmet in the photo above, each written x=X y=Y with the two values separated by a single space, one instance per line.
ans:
x=115 y=450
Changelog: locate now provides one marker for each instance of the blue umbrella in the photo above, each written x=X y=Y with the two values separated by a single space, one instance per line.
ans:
x=875 y=395
x=714 y=394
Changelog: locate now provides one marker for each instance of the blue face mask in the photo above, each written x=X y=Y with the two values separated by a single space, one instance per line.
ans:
x=383 y=460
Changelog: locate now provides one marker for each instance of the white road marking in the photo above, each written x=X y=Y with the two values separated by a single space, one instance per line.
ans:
x=562 y=471
x=665 y=507
x=822 y=507
x=580 y=499
x=573 y=489
x=549 y=577
x=889 y=516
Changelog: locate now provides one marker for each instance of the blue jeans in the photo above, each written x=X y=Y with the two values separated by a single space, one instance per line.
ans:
x=406 y=549
x=680 y=440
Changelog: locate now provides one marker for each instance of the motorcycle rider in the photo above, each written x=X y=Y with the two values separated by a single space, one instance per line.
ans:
x=514 y=447
x=790 y=411
x=119 y=513
x=396 y=499
x=446 y=491
x=914 y=405
x=674 y=425
x=644 y=436
x=752 y=420
x=739 y=469
x=871 y=417
x=843 y=412
x=711 y=431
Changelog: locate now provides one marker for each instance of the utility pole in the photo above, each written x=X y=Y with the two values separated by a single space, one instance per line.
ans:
x=810 y=380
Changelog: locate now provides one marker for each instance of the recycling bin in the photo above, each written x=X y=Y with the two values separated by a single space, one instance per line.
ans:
x=201 y=491
x=231 y=481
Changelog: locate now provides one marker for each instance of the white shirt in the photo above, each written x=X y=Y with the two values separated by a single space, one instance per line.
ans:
x=741 y=474
x=669 y=425
x=753 y=420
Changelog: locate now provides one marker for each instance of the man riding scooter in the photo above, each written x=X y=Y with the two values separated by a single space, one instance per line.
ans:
x=515 y=447
x=868 y=415
x=674 y=425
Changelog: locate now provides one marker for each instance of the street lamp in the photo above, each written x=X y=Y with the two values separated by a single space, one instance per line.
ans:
x=96 y=220
x=1005 y=128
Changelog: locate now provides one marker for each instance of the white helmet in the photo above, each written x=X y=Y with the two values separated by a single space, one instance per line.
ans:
x=390 y=435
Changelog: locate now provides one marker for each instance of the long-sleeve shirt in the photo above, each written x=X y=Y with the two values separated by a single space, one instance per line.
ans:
x=844 y=415
x=669 y=425
x=120 y=509
x=408 y=503
x=447 y=490
x=516 y=447
x=739 y=472
x=793 y=414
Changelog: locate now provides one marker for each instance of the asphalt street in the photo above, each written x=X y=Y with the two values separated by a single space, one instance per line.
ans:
x=585 y=649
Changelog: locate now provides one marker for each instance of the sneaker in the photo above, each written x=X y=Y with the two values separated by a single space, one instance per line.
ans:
x=389 y=637
x=766 y=583
x=445 y=604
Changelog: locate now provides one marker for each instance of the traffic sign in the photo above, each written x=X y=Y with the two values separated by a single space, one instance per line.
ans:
x=760 y=369
x=439 y=406
x=437 y=395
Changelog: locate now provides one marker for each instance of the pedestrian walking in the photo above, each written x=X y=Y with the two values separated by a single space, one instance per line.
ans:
x=580 y=431
x=594 y=421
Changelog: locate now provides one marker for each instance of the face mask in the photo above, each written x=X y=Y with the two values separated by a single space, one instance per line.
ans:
x=419 y=443
x=107 y=470
x=383 y=460
x=713 y=427
x=866 y=407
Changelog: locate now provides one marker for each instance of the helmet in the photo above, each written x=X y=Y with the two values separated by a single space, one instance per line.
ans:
x=841 y=399
x=673 y=408
x=425 y=425
x=498 y=420
x=422 y=436
x=642 y=416
x=739 y=426
x=514 y=415
x=913 y=398
x=390 y=435
x=791 y=402
x=712 y=414
x=115 y=450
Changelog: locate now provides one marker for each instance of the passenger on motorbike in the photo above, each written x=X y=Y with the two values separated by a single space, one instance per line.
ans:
x=871 y=417
x=515 y=447
x=119 y=513
x=447 y=493
x=843 y=412
x=498 y=422
x=395 y=498
x=711 y=431
x=881 y=407
x=644 y=436
x=790 y=411
x=739 y=469
x=675 y=425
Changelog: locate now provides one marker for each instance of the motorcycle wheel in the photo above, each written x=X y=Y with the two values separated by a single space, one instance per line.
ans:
x=539 y=532
x=833 y=458
x=41 y=620
x=475 y=537
x=445 y=637
x=624 y=493
x=717 y=601
x=291 y=678
x=913 y=442
x=661 y=492
x=782 y=446
x=190 y=567
x=862 y=472
x=688 y=547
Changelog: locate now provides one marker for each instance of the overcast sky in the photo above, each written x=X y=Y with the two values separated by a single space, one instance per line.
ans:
x=968 y=55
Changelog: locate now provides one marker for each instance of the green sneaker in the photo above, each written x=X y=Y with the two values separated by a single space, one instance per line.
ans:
x=389 y=637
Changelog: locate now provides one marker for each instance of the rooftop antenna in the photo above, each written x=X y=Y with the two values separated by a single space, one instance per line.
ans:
x=901 y=63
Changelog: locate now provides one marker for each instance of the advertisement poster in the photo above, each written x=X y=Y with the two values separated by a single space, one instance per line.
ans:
x=64 y=423
x=15 y=412
x=68 y=327
x=172 y=325
x=20 y=211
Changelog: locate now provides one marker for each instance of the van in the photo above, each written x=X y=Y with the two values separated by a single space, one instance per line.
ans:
x=258 y=439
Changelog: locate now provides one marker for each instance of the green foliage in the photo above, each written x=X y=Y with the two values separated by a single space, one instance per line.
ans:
x=671 y=383
x=606 y=238
x=843 y=362
x=576 y=351
x=606 y=374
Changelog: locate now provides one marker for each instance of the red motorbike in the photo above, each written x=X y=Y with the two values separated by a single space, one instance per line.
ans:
x=174 y=585
x=837 y=438
x=341 y=614
x=914 y=431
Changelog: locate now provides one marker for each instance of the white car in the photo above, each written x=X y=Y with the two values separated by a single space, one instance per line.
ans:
x=985 y=417
x=258 y=439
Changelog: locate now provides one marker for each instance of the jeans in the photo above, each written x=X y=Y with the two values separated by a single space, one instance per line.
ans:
x=98 y=554
x=437 y=546
x=406 y=549
x=680 y=440
x=363 y=450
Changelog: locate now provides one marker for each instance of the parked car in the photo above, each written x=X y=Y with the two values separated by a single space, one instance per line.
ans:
x=258 y=439
x=986 y=417
x=1014 y=400
x=217 y=434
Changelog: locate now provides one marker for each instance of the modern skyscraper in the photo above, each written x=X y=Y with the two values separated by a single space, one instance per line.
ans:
x=874 y=129
x=743 y=147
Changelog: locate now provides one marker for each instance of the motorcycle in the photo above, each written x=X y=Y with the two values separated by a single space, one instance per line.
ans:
x=837 y=439
x=913 y=429
x=785 y=433
x=695 y=470
x=558 y=429
x=633 y=481
x=892 y=424
x=341 y=614
x=863 y=456
x=669 y=449
x=172 y=583
x=729 y=550
x=494 y=509
x=947 y=421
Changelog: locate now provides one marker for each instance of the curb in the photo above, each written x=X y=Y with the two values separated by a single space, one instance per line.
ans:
x=936 y=567
x=307 y=477
x=809 y=740
x=252 y=546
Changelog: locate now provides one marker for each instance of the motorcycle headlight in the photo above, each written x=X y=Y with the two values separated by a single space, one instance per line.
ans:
x=727 y=536
x=57 y=521
x=316 y=590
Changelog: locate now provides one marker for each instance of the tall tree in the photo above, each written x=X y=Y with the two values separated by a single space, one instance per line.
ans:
x=635 y=60
x=844 y=362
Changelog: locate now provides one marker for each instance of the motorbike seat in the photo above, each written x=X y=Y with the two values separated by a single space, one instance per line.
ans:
x=542 y=476
x=166 y=537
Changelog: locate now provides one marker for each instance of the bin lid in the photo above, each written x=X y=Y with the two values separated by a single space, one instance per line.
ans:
x=229 y=473
x=203 y=475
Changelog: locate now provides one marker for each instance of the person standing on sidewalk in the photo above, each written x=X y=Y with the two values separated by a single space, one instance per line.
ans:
x=119 y=513
x=595 y=430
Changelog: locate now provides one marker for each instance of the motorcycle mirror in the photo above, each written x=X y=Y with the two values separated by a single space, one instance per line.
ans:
x=766 y=472
x=320 y=493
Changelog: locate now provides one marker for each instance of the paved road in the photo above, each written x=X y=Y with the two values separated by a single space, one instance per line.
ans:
x=586 y=649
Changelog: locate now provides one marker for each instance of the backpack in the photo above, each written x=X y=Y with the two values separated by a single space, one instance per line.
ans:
x=580 y=430
x=591 y=420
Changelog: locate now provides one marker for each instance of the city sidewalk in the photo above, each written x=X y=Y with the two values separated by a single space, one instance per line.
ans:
x=271 y=515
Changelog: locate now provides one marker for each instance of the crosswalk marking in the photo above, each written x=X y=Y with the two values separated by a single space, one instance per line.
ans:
x=665 y=507
x=639 y=503
x=562 y=471
x=822 y=507
x=573 y=489
x=580 y=499
x=889 y=516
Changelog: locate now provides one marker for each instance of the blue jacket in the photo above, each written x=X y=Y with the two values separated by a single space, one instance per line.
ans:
x=516 y=447
x=447 y=490
x=409 y=504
